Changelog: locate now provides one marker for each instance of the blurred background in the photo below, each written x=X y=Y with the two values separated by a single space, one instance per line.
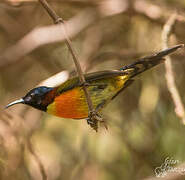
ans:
x=143 y=128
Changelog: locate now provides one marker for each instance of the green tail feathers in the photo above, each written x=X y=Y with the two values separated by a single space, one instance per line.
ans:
x=148 y=62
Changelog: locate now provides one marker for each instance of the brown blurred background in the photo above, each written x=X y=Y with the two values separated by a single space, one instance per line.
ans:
x=107 y=34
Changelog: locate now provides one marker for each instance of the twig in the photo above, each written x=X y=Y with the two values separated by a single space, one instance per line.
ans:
x=93 y=117
x=179 y=107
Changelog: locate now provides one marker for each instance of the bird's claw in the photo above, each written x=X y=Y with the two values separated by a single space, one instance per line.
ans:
x=93 y=120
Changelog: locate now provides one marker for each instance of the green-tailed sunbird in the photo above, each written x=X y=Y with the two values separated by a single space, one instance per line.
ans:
x=68 y=99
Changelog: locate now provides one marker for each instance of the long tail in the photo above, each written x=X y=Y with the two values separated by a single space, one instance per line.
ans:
x=148 y=62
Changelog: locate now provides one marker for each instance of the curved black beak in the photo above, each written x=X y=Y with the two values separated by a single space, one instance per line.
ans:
x=15 y=102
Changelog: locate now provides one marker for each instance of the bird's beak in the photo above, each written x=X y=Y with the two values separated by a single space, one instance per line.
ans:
x=15 y=102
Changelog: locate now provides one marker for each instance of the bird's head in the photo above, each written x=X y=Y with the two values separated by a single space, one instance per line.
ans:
x=36 y=98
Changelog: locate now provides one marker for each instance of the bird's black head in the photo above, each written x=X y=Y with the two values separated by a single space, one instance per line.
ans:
x=36 y=98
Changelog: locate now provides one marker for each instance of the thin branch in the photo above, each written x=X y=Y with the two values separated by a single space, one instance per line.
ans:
x=179 y=107
x=58 y=20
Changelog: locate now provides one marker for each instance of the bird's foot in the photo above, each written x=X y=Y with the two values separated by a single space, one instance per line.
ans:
x=95 y=118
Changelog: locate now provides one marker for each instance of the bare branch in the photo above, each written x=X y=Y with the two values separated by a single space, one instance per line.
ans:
x=59 y=20
x=179 y=107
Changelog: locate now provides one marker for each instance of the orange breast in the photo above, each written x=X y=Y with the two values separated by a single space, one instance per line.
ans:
x=70 y=104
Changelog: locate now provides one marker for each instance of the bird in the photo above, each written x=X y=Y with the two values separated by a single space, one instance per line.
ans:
x=68 y=99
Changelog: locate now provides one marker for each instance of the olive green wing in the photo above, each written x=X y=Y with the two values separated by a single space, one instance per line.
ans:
x=74 y=82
